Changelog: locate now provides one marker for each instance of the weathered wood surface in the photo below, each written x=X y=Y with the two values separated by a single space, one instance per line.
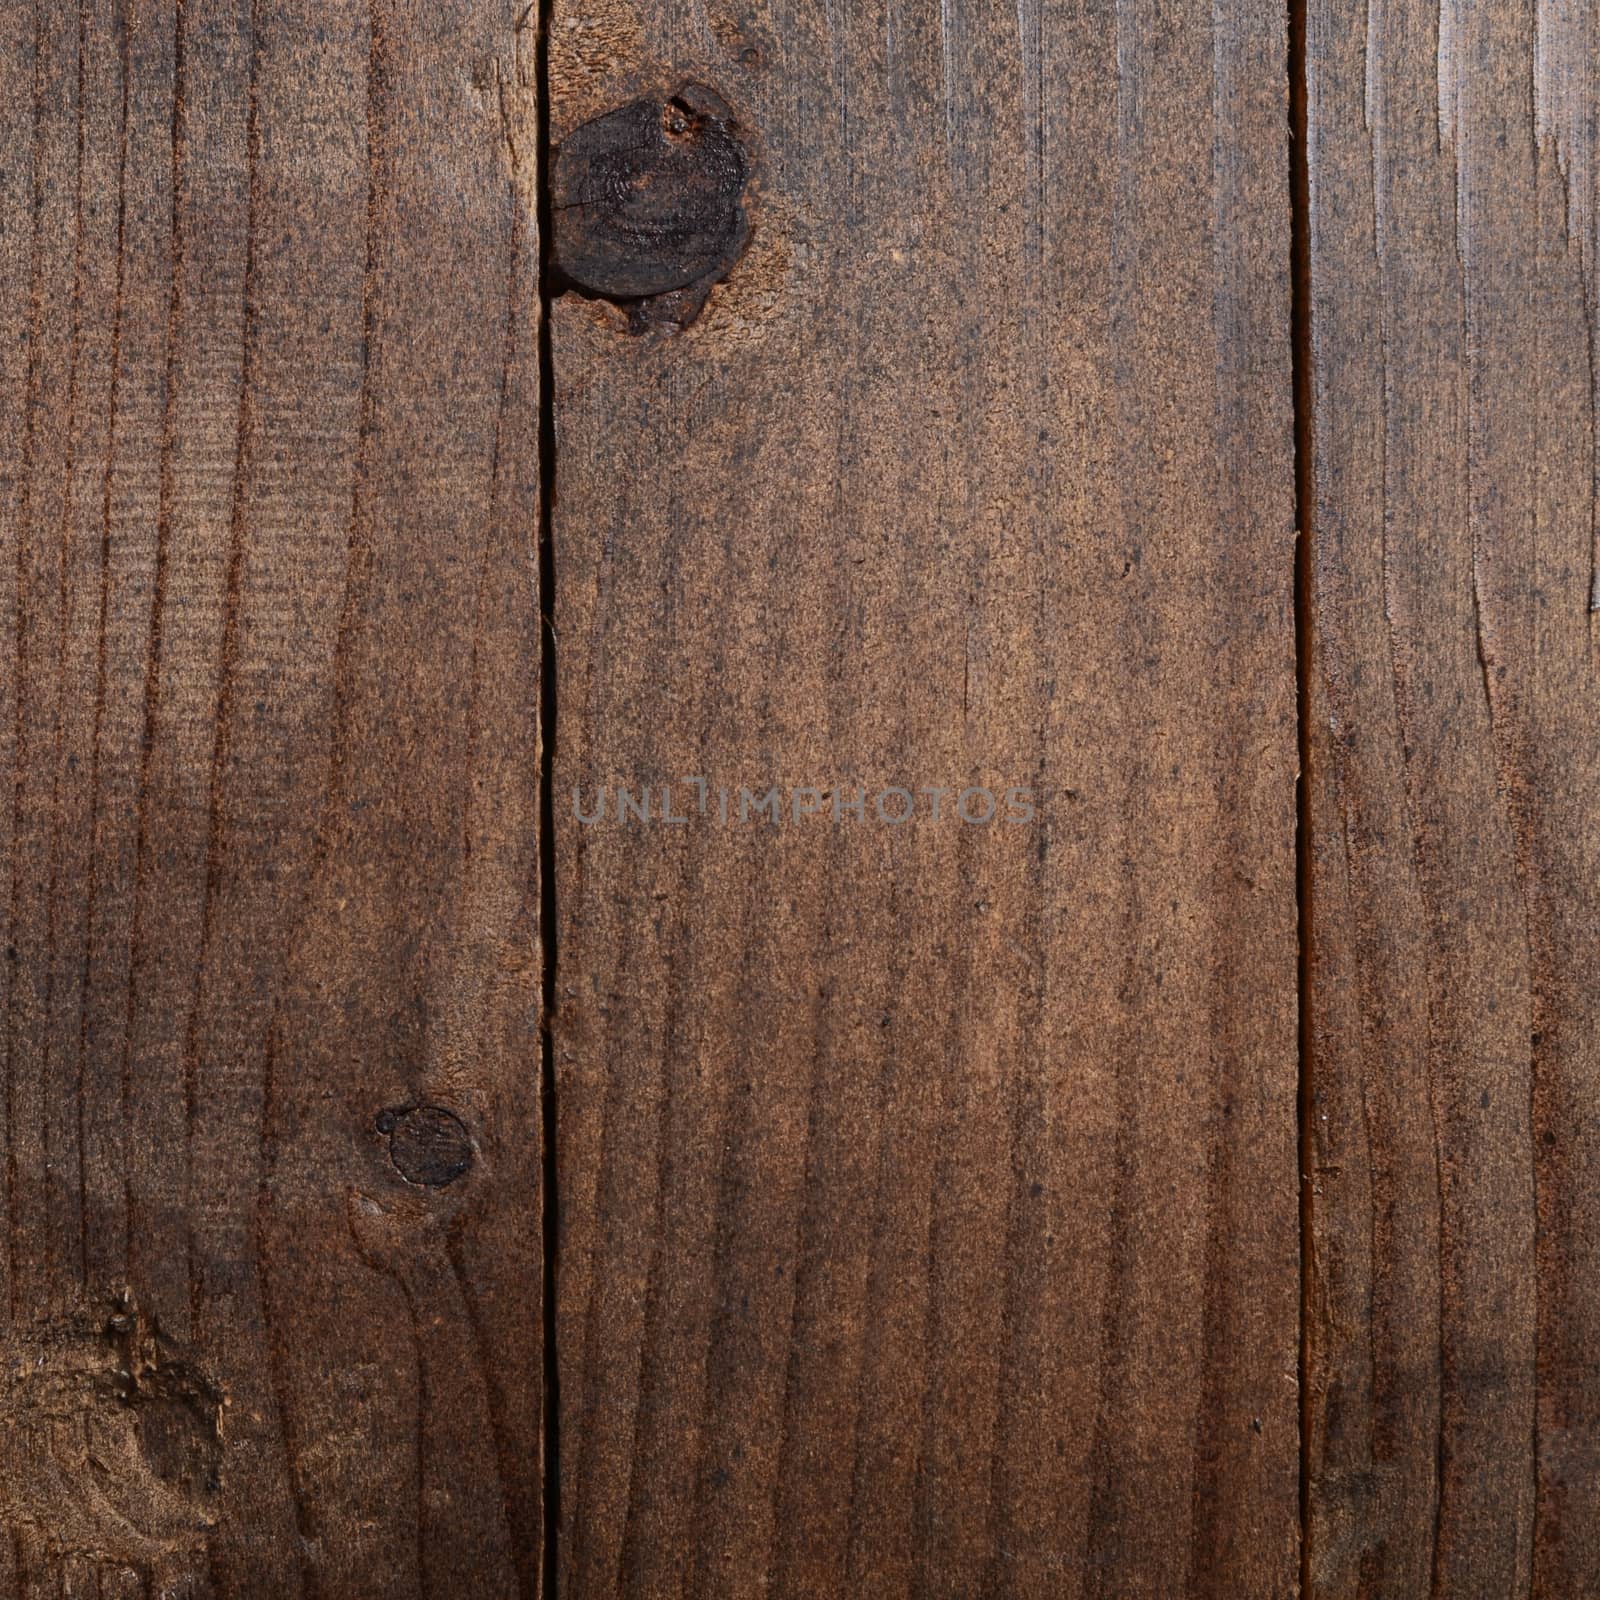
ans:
x=269 y=652
x=1454 y=1329
x=928 y=1189
x=928 y=1192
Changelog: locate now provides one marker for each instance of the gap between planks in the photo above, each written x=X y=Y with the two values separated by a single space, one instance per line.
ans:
x=539 y=14
x=1304 y=505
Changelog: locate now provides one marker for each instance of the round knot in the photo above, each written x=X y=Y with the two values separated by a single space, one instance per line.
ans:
x=649 y=198
x=428 y=1145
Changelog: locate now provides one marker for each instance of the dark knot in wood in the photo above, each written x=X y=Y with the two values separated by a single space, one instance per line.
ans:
x=649 y=199
x=427 y=1144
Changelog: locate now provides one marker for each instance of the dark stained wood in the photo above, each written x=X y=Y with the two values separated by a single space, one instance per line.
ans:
x=928 y=1187
x=1454 y=1314
x=268 y=798
x=928 y=1191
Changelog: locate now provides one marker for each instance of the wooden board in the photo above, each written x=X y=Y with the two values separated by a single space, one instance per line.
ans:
x=1454 y=1314
x=928 y=1190
x=268 y=755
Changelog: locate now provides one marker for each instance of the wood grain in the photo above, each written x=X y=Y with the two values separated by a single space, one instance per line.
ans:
x=928 y=1191
x=268 y=497
x=1454 y=1314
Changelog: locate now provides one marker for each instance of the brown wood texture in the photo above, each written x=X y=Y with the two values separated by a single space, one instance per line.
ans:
x=268 y=760
x=929 y=1192
x=1454 y=1307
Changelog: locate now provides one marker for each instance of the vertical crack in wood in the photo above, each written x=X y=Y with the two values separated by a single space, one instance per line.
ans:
x=1304 y=499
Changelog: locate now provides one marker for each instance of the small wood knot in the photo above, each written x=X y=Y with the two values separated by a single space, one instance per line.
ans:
x=649 y=199
x=427 y=1144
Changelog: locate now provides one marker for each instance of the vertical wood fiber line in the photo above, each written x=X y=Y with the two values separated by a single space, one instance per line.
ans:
x=1454 y=1407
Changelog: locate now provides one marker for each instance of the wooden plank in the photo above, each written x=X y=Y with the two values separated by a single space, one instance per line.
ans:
x=1455 y=1297
x=268 y=496
x=929 y=1201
